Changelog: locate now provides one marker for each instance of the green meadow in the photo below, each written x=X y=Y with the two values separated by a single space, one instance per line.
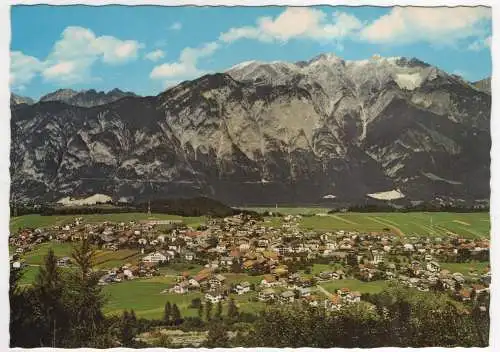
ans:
x=469 y=225
x=355 y=285
x=145 y=298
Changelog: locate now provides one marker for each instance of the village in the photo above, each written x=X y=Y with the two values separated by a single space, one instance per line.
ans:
x=282 y=255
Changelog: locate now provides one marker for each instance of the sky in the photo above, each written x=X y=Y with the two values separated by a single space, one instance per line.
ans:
x=146 y=49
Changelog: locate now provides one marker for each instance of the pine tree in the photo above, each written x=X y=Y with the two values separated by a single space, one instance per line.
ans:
x=21 y=313
x=217 y=336
x=167 y=314
x=176 y=315
x=132 y=316
x=232 y=311
x=208 y=310
x=83 y=257
x=85 y=301
x=127 y=329
x=200 y=311
x=48 y=289
x=218 y=312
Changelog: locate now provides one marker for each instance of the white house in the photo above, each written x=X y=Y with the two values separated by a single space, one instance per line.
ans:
x=170 y=255
x=189 y=256
x=242 y=288
x=213 y=297
x=63 y=261
x=269 y=281
x=353 y=297
x=287 y=297
x=304 y=291
x=155 y=257
x=217 y=280
x=244 y=247
x=433 y=266
x=179 y=288
x=226 y=261
x=408 y=247
x=266 y=294
x=174 y=248
x=332 y=245
x=193 y=283
x=128 y=274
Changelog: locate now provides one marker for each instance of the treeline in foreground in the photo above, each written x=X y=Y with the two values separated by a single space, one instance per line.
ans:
x=64 y=309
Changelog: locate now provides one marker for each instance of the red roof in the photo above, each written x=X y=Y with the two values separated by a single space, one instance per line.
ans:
x=269 y=278
x=335 y=299
x=194 y=233
x=203 y=275
x=465 y=293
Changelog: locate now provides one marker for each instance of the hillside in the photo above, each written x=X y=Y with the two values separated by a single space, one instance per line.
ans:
x=265 y=133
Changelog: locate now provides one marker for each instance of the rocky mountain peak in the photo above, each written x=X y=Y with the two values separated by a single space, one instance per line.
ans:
x=85 y=98
x=18 y=99
x=59 y=95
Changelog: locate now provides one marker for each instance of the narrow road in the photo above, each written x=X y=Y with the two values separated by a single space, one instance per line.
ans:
x=328 y=294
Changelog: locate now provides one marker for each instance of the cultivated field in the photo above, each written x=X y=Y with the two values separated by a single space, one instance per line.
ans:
x=471 y=225
x=145 y=298
x=35 y=221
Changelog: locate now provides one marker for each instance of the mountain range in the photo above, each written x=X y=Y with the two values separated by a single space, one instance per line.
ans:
x=84 y=98
x=265 y=133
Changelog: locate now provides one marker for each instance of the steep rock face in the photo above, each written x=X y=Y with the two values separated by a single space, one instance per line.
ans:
x=484 y=85
x=266 y=133
x=17 y=100
x=86 y=98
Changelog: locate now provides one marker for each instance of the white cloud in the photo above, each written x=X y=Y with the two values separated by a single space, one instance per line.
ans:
x=61 y=68
x=23 y=68
x=72 y=57
x=480 y=44
x=173 y=69
x=155 y=55
x=440 y=25
x=297 y=22
x=176 y=26
x=186 y=66
x=79 y=42
x=116 y=51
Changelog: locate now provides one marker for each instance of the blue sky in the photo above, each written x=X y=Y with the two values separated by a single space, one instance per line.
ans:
x=146 y=49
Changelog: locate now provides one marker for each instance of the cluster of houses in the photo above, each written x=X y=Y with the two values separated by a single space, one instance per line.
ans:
x=244 y=245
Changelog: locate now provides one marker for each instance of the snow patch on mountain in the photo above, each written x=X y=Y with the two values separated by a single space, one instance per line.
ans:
x=92 y=200
x=387 y=195
x=408 y=81
x=243 y=64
